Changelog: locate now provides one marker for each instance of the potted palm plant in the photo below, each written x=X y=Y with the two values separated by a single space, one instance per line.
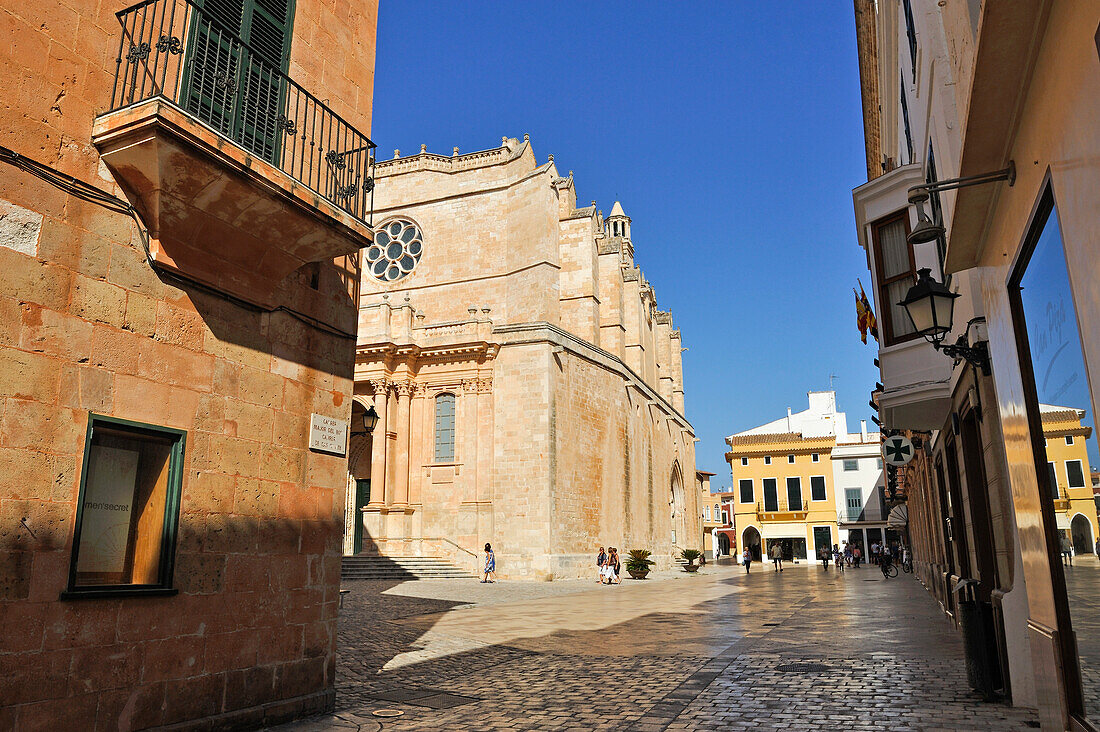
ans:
x=689 y=556
x=638 y=563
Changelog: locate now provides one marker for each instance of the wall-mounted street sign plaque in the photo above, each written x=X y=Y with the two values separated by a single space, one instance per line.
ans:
x=897 y=450
x=327 y=434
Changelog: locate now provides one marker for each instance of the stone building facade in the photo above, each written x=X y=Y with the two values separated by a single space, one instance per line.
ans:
x=169 y=544
x=529 y=390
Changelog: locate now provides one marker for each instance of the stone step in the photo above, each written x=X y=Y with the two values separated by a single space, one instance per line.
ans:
x=400 y=568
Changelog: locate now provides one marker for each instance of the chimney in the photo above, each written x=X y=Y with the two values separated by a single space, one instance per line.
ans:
x=863 y=430
x=789 y=420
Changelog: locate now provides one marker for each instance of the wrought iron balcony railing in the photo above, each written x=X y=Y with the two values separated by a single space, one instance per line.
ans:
x=782 y=507
x=852 y=515
x=174 y=50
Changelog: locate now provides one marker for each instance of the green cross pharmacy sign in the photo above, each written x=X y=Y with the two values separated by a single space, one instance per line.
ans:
x=897 y=450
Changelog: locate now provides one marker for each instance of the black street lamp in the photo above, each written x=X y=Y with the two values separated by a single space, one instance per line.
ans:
x=370 y=419
x=931 y=309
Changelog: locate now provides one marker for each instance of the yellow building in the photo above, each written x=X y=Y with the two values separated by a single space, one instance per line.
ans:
x=783 y=482
x=1068 y=465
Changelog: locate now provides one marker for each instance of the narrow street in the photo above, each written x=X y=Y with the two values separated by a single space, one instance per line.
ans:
x=804 y=649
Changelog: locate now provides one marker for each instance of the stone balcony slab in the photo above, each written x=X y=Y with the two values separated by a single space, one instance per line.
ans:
x=215 y=212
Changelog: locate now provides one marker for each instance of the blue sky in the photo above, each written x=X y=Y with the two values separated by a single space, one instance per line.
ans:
x=730 y=131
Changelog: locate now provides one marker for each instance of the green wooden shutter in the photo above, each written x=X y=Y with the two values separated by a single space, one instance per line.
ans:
x=266 y=29
x=213 y=62
x=237 y=91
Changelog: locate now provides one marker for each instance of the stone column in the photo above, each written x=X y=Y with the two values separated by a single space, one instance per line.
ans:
x=401 y=451
x=485 y=445
x=378 y=444
x=468 y=430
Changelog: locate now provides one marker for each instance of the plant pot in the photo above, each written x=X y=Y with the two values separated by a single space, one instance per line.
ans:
x=636 y=574
x=691 y=568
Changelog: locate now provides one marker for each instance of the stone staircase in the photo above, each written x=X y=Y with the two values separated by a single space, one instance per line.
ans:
x=363 y=567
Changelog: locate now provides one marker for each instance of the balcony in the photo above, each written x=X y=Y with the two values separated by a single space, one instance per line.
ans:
x=917 y=378
x=782 y=511
x=239 y=173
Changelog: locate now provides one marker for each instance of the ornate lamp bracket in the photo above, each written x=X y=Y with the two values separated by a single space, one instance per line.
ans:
x=976 y=355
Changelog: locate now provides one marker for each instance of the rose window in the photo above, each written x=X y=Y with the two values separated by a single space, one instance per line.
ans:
x=396 y=250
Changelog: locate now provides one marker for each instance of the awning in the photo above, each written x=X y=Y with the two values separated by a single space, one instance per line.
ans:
x=1062 y=521
x=899 y=517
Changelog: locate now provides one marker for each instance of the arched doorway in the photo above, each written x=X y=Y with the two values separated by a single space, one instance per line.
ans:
x=750 y=539
x=724 y=544
x=676 y=505
x=358 y=495
x=1081 y=534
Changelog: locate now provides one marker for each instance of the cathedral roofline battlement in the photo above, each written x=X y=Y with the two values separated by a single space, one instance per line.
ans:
x=510 y=149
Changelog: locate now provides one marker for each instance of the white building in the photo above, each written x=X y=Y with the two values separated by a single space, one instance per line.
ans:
x=858 y=479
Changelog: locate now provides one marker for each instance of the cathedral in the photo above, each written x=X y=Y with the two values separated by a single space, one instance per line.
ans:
x=515 y=382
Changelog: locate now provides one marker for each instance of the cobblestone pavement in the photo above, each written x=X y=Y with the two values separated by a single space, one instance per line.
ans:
x=718 y=650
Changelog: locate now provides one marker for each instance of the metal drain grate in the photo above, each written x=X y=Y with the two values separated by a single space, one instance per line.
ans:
x=802 y=668
x=771 y=624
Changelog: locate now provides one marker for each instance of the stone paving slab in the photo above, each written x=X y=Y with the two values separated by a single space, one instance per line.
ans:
x=690 y=652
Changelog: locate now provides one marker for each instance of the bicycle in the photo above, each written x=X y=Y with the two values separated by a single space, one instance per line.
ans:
x=907 y=566
x=888 y=568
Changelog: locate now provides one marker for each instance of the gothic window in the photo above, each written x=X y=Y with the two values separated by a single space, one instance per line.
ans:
x=445 y=428
x=396 y=250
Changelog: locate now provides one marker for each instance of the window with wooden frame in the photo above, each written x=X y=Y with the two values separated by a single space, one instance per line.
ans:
x=794 y=493
x=895 y=271
x=1075 y=475
x=128 y=511
x=239 y=51
x=745 y=488
x=910 y=34
x=445 y=427
x=905 y=122
x=817 y=488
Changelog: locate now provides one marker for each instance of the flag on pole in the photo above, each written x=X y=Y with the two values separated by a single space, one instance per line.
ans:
x=865 y=316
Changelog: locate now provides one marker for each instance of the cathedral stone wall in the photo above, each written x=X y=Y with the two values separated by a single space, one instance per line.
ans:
x=569 y=428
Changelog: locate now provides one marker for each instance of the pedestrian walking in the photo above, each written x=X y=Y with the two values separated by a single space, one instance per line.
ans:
x=490 y=565
x=746 y=559
x=776 y=554
x=838 y=558
x=1067 y=551
x=613 y=560
x=611 y=566
x=857 y=555
x=824 y=555
x=874 y=553
x=601 y=559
